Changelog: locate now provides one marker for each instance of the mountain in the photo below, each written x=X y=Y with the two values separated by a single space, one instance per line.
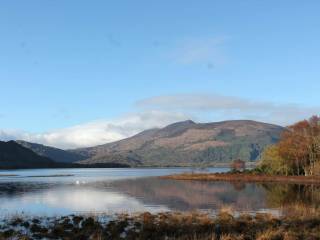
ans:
x=56 y=154
x=180 y=144
x=13 y=155
x=188 y=144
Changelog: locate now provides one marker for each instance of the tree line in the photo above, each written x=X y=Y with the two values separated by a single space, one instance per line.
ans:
x=297 y=152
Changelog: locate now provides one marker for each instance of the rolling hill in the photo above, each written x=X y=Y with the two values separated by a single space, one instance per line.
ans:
x=188 y=144
x=13 y=155
x=56 y=154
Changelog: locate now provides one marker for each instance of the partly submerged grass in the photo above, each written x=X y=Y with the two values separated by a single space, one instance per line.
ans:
x=244 y=177
x=301 y=224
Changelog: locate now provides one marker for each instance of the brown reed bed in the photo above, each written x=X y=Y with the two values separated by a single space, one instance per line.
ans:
x=244 y=177
x=170 y=226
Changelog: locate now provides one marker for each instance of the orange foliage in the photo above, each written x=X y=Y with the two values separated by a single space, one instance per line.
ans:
x=300 y=146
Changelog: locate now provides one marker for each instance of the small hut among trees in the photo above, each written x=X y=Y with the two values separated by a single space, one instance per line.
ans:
x=238 y=165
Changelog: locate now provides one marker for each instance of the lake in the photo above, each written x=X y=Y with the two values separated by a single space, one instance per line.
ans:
x=54 y=192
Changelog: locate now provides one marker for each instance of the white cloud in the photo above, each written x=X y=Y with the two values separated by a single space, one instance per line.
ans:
x=207 y=51
x=161 y=111
x=229 y=107
x=97 y=132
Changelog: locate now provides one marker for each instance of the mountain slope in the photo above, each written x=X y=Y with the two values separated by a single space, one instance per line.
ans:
x=56 y=154
x=13 y=155
x=188 y=143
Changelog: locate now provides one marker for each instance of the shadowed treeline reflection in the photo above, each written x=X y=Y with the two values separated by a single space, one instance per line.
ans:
x=13 y=189
x=282 y=195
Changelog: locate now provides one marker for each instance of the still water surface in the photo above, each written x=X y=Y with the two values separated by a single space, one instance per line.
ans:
x=53 y=192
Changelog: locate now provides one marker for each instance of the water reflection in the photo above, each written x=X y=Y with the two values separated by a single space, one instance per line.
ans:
x=193 y=195
x=67 y=200
x=147 y=194
x=282 y=195
x=88 y=175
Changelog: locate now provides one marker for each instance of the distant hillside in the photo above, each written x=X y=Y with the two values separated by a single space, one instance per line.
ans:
x=188 y=144
x=16 y=156
x=56 y=154
x=13 y=155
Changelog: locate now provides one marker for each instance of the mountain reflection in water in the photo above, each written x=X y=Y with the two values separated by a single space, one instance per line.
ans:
x=149 y=194
x=194 y=195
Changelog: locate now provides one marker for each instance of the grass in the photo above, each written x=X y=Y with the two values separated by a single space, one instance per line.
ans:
x=244 y=177
x=300 y=224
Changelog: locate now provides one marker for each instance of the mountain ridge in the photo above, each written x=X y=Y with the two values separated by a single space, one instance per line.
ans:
x=185 y=143
x=13 y=155
x=56 y=154
x=196 y=143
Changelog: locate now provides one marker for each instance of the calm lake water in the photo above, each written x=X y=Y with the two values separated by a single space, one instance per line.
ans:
x=53 y=192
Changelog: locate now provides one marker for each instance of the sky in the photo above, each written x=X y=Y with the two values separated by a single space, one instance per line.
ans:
x=80 y=73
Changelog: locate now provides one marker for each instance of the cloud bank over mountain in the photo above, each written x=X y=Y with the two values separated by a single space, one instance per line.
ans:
x=160 y=111
x=97 y=132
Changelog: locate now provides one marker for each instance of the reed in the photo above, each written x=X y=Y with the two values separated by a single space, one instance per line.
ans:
x=244 y=177
x=171 y=226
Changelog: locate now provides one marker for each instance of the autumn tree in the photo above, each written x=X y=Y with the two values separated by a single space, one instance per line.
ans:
x=313 y=143
x=300 y=146
x=272 y=163
x=298 y=151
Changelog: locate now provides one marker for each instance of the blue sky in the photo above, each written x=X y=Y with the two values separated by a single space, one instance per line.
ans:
x=67 y=65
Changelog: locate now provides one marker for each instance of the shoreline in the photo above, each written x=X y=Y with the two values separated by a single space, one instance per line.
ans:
x=166 y=225
x=244 y=177
x=83 y=166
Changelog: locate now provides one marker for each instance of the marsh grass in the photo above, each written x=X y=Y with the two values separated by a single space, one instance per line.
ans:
x=302 y=223
x=244 y=177
x=300 y=210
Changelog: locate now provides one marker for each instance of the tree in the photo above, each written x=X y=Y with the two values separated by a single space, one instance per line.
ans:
x=298 y=151
x=300 y=146
x=272 y=163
